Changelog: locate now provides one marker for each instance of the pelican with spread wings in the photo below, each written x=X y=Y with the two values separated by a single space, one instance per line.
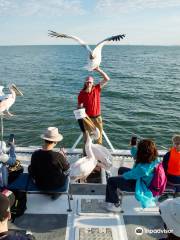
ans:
x=94 y=59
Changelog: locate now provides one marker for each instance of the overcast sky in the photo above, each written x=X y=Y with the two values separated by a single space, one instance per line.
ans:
x=147 y=22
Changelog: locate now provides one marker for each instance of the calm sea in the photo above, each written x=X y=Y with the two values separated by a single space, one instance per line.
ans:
x=143 y=96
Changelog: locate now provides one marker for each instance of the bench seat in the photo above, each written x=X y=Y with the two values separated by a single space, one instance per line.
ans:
x=24 y=183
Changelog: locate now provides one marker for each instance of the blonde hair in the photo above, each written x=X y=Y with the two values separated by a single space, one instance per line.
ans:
x=176 y=138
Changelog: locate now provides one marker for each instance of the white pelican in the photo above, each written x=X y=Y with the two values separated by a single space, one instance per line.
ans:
x=83 y=167
x=1 y=90
x=1 y=93
x=94 y=55
x=8 y=100
x=103 y=155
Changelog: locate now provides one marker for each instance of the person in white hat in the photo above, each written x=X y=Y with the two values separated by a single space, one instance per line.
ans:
x=170 y=213
x=48 y=168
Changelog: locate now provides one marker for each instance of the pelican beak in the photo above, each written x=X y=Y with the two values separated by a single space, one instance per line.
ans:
x=17 y=91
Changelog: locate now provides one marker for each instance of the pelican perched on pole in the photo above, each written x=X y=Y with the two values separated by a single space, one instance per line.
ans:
x=94 y=59
x=6 y=101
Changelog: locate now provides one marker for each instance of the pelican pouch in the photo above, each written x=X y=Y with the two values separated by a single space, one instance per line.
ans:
x=14 y=171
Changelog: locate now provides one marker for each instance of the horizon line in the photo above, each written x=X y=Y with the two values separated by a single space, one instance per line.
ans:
x=150 y=45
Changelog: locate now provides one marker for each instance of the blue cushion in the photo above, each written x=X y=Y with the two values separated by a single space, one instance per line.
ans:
x=20 y=183
x=24 y=183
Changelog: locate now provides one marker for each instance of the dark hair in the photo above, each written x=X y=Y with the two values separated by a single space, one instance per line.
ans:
x=48 y=142
x=171 y=236
x=4 y=206
x=133 y=140
x=146 y=151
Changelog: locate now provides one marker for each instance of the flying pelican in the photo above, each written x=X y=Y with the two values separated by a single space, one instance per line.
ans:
x=94 y=55
x=83 y=167
x=8 y=100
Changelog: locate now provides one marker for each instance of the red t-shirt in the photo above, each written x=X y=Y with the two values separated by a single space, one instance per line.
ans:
x=91 y=101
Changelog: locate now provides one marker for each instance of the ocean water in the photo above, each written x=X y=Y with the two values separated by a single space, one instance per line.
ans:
x=142 y=97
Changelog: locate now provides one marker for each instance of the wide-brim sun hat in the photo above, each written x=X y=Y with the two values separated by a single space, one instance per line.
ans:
x=170 y=213
x=52 y=134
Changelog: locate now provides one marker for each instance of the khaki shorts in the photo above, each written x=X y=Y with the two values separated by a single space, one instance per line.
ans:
x=99 y=124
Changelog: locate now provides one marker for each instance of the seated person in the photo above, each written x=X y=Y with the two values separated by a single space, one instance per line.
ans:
x=49 y=169
x=136 y=179
x=171 y=162
x=170 y=213
x=7 y=158
x=5 y=203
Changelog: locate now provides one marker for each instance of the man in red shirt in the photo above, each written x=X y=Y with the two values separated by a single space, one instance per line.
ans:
x=90 y=98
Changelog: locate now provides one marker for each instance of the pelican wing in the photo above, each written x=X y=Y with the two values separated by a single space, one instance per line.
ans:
x=103 y=155
x=99 y=46
x=61 y=35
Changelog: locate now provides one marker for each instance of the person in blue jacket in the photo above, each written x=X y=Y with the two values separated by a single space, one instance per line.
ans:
x=136 y=179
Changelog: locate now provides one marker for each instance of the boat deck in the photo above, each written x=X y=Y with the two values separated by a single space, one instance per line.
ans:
x=49 y=219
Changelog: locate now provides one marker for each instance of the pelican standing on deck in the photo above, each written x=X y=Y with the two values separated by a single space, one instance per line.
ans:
x=103 y=155
x=94 y=55
x=6 y=101
x=83 y=167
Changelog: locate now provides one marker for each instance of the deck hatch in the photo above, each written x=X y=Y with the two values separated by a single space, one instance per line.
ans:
x=92 y=206
x=94 y=234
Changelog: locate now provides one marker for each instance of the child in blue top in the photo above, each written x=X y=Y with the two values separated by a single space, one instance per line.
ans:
x=136 y=179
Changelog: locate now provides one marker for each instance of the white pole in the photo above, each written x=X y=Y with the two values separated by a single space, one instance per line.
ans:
x=108 y=141
x=77 y=141
x=105 y=136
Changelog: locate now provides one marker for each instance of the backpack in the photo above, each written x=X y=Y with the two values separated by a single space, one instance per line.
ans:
x=19 y=206
x=14 y=171
x=159 y=181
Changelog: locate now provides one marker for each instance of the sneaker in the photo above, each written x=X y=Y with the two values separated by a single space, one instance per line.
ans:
x=111 y=207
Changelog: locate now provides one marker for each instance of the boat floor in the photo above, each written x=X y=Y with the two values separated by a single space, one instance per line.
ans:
x=49 y=219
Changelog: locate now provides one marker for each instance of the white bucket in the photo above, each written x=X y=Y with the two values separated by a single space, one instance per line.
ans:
x=80 y=113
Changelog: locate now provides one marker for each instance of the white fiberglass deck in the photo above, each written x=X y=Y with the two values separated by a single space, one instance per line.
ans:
x=89 y=220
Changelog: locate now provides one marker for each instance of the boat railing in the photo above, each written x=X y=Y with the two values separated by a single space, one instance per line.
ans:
x=104 y=135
